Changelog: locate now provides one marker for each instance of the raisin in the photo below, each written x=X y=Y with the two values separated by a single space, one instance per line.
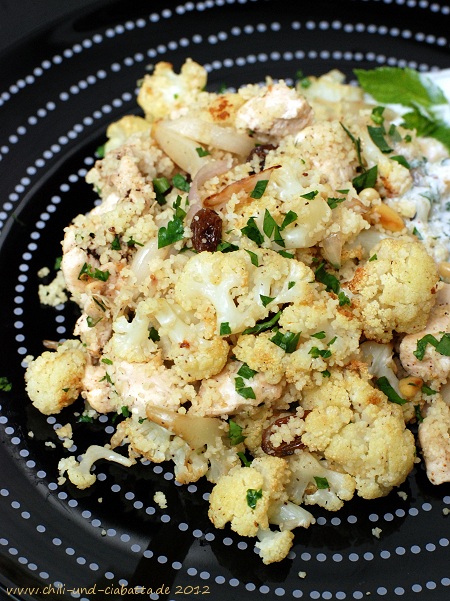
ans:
x=206 y=229
x=285 y=448
x=261 y=152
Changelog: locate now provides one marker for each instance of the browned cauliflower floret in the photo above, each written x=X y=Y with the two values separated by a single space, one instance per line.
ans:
x=54 y=379
x=354 y=425
x=165 y=91
x=395 y=290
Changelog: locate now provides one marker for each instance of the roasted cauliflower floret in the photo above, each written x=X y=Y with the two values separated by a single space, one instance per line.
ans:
x=354 y=426
x=164 y=91
x=395 y=291
x=54 y=379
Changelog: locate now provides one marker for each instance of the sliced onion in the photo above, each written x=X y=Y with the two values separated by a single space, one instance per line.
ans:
x=143 y=257
x=219 y=136
x=332 y=249
x=196 y=431
x=247 y=185
x=182 y=150
x=207 y=172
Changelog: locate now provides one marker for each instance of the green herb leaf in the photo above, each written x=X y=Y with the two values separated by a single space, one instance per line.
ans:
x=251 y=231
x=319 y=335
x=100 y=151
x=367 y=179
x=385 y=386
x=417 y=233
x=227 y=247
x=373 y=257
x=253 y=496
x=180 y=182
x=400 y=86
x=244 y=459
x=418 y=414
x=115 y=244
x=401 y=160
x=91 y=322
x=285 y=254
x=131 y=242
x=291 y=285
x=270 y=227
x=253 y=257
x=263 y=325
x=394 y=134
x=244 y=391
x=343 y=299
x=125 y=411
x=329 y=280
x=85 y=418
x=442 y=346
x=321 y=483
x=57 y=265
x=377 y=136
x=246 y=372
x=153 y=334
x=287 y=341
x=334 y=202
x=107 y=361
x=235 y=433
x=310 y=195
x=259 y=189
x=225 y=329
x=315 y=352
x=326 y=373
x=427 y=390
x=89 y=271
x=202 y=152
x=289 y=218
x=266 y=300
x=377 y=115
x=5 y=384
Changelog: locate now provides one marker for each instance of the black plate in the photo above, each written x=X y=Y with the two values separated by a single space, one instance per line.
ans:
x=60 y=90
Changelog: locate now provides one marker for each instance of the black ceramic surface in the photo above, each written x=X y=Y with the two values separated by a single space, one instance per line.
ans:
x=59 y=90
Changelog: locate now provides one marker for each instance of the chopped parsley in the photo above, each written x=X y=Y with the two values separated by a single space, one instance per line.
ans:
x=367 y=179
x=57 y=265
x=316 y=352
x=291 y=285
x=91 y=322
x=253 y=257
x=244 y=391
x=153 y=334
x=180 y=182
x=334 y=202
x=319 y=335
x=235 y=433
x=175 y=228
x=227 y=247
x=401 y=160
x=107 y=361
x=287 y=341
x=5 y=384
x=427 y=390
x=131 y=242
x=251 y=230
x=310 y=195
x=107 y=378
x=259 y=189
x=289 y=218
x=285 y=254
x=85 y=418
x=202 y=152
x=417 y=233
x=343 y=299
x=373 y=257
x=263 y=325
x=246 y=372
x=100 y=151
x=329 y=280
x=270 y=227
x=266 y=300
x=252 y=497
x=418 y=414
x=377 y=115
x=244 y=459
x=224 y=329
x=161 y=186
x=115 y=244
x=385 y=386
x=88 y=271
x=377 y=136
x=321 y=483
x=442 y=346
x=326 y=373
